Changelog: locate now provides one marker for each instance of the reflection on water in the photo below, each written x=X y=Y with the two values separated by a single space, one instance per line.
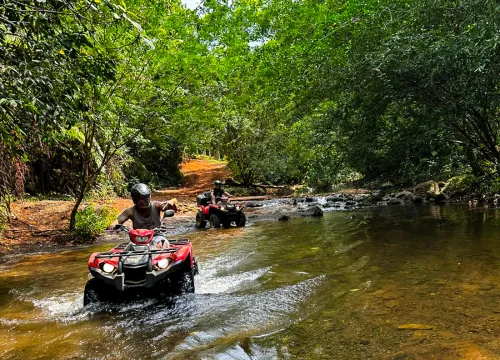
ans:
x=308 y=289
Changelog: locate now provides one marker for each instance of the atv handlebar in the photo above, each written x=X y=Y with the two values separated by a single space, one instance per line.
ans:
x=158 y=231
x=120 y=227
x=222 y=199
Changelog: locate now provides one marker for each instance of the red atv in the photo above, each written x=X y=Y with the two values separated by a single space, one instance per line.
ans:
x=135 y=267
x=224 y=213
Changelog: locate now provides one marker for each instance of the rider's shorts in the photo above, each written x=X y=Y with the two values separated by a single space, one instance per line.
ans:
x=160 y=241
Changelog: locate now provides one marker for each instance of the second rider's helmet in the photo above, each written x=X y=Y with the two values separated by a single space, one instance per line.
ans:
x=218 y=184
x=141 y=196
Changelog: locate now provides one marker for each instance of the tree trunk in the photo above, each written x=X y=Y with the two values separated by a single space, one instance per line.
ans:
x=72 y=218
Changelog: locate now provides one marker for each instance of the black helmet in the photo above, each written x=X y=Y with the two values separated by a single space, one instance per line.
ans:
x=218 y=184
x=141 y=196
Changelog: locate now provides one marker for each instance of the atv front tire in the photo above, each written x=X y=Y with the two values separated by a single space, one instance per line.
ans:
x=182 y=282
x=241 y=220
x=214 y=221
x=96 y=291
x=226 y=224
x=201 y=223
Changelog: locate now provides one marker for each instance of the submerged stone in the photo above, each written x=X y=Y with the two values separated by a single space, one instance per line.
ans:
x=314 y=211
x=254 y=204
x=415 y=327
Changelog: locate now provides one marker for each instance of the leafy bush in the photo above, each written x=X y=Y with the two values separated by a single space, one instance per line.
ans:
x=90 y=221
x=490 y=186
x=461 y=185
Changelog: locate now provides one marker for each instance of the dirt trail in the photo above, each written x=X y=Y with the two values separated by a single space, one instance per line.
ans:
x=199 y=176
x=40 y=224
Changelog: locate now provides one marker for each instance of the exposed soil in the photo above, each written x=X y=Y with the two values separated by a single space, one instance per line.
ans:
x=41 y=225
x=199 y=176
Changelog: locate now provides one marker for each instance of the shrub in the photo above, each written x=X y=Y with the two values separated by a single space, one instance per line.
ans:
x=490 y=186
x=461 y=185
x=90 y=221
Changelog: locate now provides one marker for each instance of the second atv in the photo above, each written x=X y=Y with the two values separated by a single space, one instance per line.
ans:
x=223 y=213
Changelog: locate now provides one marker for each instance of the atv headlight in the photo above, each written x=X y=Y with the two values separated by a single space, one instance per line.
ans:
x=163 y=263
x=108 y=268
x=141 y=239
x=222 y=208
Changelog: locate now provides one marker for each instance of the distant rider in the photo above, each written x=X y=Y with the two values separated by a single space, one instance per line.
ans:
x=218 y=192
x=145 y=214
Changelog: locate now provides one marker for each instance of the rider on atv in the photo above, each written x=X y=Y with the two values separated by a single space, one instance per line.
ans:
x=145 y=214
x=218 y=192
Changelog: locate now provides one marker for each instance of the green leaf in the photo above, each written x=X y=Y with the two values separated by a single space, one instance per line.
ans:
x=135 y=24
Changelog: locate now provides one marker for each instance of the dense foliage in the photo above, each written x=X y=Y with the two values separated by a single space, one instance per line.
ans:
x=102 y=93
x=90 y=222
x=390 y=90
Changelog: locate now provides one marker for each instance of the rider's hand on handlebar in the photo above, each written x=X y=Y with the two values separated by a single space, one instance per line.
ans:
x=169 y=205
x=117 y=227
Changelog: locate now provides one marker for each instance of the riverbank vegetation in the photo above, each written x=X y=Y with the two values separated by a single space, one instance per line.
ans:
x=98 y=94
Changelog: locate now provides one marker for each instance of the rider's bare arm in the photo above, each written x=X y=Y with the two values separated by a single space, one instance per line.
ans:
x=160 y=206
x=213 y=197
x=126 y=215
x=227 y=194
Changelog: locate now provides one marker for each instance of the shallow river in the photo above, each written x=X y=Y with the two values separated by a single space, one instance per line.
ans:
x=334 y=287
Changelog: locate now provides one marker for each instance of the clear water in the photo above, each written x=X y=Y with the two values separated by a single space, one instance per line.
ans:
x=329 y=288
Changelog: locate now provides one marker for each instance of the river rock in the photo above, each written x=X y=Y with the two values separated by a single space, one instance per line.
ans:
x=495 y=200
x=334 y=198
x=426 y=187
x=254 y=204
x=284 y=218
x=437 y=198
x=310 y=199
x=312 y=204
x=394 y=201
x=415 y=327
x=350 y=202
x=405 y=195
x=362 y=198
x=312 y=211
x=417 y=199
x=487 y=287
x=377 y=195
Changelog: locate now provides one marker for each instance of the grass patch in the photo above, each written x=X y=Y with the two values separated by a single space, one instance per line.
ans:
x=210 y=159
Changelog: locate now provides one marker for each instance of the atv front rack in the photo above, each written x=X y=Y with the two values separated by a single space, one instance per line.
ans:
x=110 y=254
x=179 y=241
